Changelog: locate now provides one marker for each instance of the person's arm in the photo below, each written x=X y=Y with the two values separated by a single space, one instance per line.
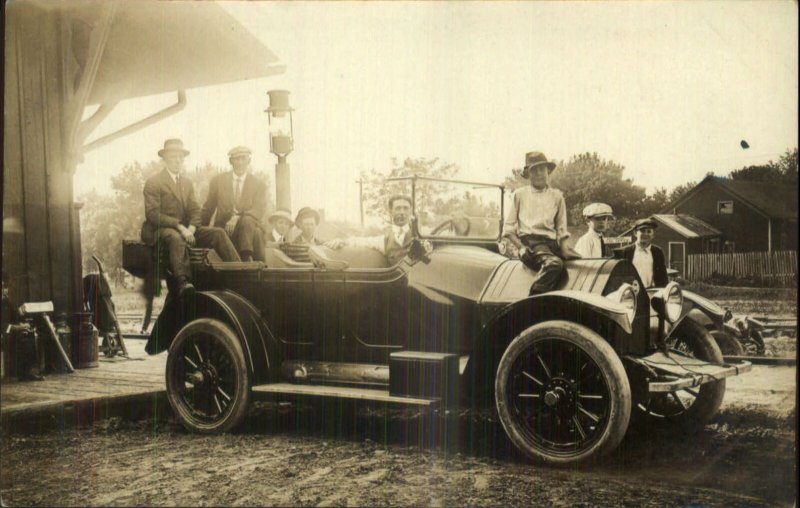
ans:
x=259 y=207
x=373 y=242
x=660 y=278
x=511 y=224
x=211 y=202
x=152 y=207
x=562 y=234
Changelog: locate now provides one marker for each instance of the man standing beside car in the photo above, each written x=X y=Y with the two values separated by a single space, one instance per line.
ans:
x=393 y=244
x=240 y=201
x=647 y=258
x=536 y=224
x=172 y=217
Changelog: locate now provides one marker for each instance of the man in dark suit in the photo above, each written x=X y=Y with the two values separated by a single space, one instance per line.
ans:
x=646 y=257
x=240 y=201
x=172 y=217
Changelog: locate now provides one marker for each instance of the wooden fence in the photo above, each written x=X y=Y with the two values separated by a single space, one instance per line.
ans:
x=776 y=268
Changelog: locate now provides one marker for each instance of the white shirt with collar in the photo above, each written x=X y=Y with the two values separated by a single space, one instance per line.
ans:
x=277 y=236
x=234 y=181
x=643 y=261
x=174 y=176
x=589 y=245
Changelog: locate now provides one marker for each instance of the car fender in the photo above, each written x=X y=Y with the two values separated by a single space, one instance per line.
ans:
x=596 y=312
x=258 y=342
x=703 y=310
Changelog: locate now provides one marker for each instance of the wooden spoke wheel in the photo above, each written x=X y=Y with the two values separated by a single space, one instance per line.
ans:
x=690 y=406
x=208 y=383
x=562 y=394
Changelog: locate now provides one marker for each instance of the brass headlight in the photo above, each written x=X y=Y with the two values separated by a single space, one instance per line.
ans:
x=625 y=295
x=668 y=302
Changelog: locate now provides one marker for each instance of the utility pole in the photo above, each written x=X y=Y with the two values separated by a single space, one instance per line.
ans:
x=360 y=183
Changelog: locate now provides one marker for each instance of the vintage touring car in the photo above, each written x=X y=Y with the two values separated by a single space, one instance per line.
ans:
x=450 y=324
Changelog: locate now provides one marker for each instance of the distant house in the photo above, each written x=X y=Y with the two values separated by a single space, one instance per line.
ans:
x=681 y=235
x=751 y=216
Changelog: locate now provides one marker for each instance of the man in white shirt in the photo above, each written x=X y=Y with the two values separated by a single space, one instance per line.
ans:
x=646 y=257
x=597 y=216
x=536 y=224
x=395 y=242
x=281 y=221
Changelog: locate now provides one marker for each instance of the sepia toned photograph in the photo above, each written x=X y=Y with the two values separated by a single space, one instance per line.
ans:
x=411 y=253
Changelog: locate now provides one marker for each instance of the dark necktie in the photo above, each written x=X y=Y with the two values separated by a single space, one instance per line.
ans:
x=602 y=247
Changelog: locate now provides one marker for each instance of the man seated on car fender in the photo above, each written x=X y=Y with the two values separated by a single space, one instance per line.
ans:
x=395 y=242
x=536 y=224
x=646 y=257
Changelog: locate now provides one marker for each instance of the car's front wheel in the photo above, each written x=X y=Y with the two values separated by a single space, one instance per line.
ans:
x=208 y=382
x=562 y=394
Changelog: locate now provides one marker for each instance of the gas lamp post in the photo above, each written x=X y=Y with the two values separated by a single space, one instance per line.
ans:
x=281 y=143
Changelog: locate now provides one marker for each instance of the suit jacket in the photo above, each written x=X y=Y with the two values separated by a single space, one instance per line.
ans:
x=252 y=199
x=660 y=278
x=166 y=205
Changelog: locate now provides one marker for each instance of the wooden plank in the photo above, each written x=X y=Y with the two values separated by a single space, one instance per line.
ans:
x=344 y=392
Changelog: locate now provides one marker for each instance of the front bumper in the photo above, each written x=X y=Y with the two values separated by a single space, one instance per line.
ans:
x=674 y=372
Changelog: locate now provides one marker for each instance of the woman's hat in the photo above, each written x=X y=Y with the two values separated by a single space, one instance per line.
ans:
x=173 y=145
x=307 y=212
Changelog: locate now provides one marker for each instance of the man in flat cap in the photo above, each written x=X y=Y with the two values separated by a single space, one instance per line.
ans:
x=647 y=258
x=240 y=201
x=172 y=217
x=281 y=222
x=597 y=216
x=536 y=224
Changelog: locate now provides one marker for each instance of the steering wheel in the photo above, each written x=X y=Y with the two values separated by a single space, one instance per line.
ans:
x=458 y=225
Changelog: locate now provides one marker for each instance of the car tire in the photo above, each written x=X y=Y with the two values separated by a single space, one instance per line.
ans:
x=562 y=394
x=208 y=382
x=703 y=404
x=727 y=343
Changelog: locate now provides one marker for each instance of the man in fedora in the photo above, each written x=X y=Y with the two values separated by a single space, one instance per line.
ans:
x=172 y=217
x=591 y=244
x=536 y=224
x=647 y=258
x=281 y=222
x=240 y=201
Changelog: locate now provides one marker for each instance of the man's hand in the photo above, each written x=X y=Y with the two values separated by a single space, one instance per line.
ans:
x=231 y=225
x=336 y=243
x=569 y=253
x=187 y=234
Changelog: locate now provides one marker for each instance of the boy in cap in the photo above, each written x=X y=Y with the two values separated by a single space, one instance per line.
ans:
x=591 y=244
x=240 y=201
x=281 y=222
x=536 y=224
x=646 y=257
x=173 y=217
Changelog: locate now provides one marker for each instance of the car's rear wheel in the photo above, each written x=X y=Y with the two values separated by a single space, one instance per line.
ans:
x=690 y=406
x=562 y=394
x=208 y=383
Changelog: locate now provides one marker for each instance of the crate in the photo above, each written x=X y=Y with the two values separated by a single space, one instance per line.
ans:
x=425 y=375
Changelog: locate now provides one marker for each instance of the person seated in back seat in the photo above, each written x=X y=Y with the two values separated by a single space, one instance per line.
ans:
x=307 y=220
x=395 y=242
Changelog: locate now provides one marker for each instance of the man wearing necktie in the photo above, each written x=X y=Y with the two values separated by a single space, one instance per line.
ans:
x=591 y=244
x=240 y=201
x=394 y=244
x=172 y=217
x=646 y=257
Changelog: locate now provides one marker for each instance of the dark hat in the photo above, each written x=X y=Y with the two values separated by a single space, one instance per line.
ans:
x=644 y=223
x=533 y=159
x=173 y=145
x=280 y=213
x=307 y=212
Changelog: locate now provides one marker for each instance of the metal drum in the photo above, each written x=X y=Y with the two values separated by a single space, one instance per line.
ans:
x=84 y=342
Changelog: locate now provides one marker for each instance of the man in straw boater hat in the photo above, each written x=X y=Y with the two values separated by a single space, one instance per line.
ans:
x=239 y=199
x=591 y=244
x=646 y=257
x=536 y=224
x=172 y=218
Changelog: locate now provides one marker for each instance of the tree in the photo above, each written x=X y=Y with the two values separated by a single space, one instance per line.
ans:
x=783 y=171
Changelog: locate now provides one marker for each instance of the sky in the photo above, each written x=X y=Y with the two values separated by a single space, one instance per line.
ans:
x=667 y=89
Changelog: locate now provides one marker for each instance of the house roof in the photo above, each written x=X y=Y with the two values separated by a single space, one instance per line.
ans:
x=687 y=226
x=771 y=199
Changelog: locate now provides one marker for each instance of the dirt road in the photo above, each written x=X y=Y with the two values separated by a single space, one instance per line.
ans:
x=339 y=453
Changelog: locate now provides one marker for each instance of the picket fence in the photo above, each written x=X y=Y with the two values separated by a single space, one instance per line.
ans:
x=772 y=268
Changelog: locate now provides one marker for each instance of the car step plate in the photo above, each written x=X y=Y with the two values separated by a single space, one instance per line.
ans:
x=678 y=372
x=345 y=392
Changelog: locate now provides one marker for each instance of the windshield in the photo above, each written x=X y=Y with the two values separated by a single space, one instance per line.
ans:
x=454 y=209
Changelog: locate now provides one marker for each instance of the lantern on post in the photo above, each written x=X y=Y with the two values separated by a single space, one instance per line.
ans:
x=281 y=143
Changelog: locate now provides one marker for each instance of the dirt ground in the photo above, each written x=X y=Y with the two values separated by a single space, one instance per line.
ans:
x=344 y=453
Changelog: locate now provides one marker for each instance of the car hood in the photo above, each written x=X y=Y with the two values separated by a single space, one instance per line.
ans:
x=463 y=271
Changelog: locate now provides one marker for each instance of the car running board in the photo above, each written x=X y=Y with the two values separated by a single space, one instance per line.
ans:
x=678 y=372
x=345 y=392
